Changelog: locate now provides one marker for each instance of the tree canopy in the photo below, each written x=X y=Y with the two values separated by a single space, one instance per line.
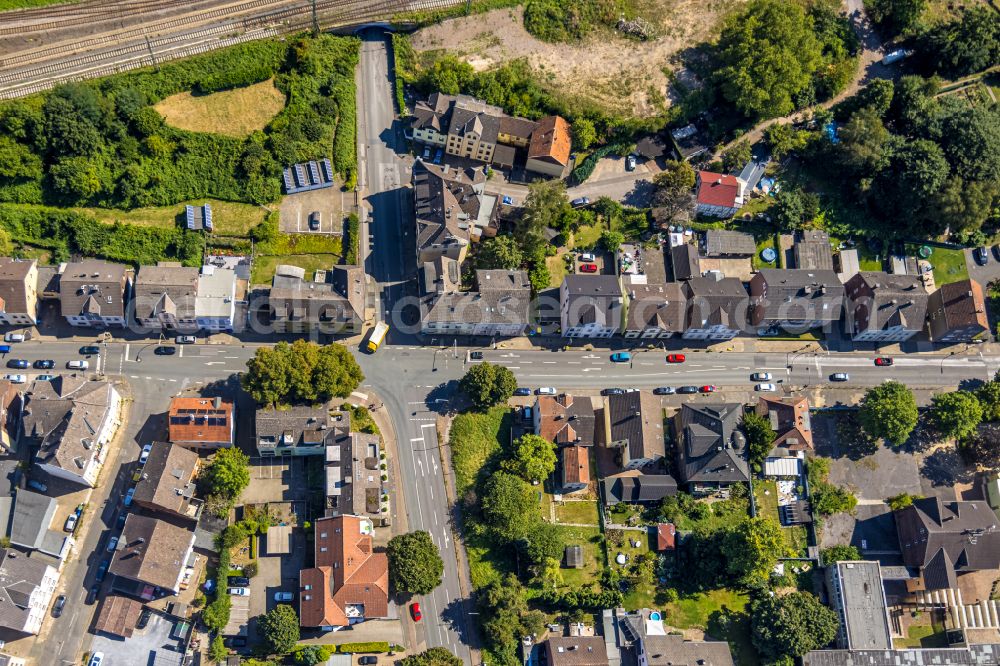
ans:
x=760 y=438
x=674 y=185
x=963 y=46
x=534 y=458
x=895 y=16
x=279 y=628
x=301 y=372
x=790 y=625
x=509 y=506
x=227 y=475
x=506 y=617
x=415 y=565
x=500 y=252
x=435 y=656
x=956 y=414
x=840 y=553
x=889 y=411
x=752 y=548
x=486 y=384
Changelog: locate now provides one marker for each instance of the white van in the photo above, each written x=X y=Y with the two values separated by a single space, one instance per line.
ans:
x=77 y=365
x=14 y=337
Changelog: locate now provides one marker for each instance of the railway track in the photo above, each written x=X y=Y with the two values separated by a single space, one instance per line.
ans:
x=130 y=49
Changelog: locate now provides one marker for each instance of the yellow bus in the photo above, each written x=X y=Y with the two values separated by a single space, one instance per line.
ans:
x=377 y=336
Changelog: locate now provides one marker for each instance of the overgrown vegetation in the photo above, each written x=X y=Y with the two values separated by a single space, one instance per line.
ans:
x=352 y=230
x=570 y=20
x=101 y=142
x=827 y=499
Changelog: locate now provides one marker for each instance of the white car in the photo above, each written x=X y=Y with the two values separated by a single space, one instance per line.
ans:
x=185 y=339
x=16 y=379
x=113 y=544
x=283 y=596
x=77 y=365
x=840 y=377
x=765 y=388
x=96 y=659
x=545 y=390
x=14 y=337
x=70 y=523
x=238 y=591
x=145 y=454
x=588 y=256
x=760 y=377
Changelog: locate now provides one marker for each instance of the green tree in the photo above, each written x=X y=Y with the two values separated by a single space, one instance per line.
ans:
x=313 y=655
x=279 y=628
x=217 y=651
x=674 y=185
x=736 y=156
x=449 y=75
x=864 y=143
x=544 y=207
x=17 y=162
x=228 y=473
x=486 y=385
x=543 y=543
x=794 y=208
x=302 y=372
x=584 y=134
x=840 y=553
x=435 y=656
x=752 y=548
x=901 y=501
x=789 y=625
x=889 y=411
x=534 y=458
x=956 y=414
x=895 y=16
x=767 y=53
x=539 y=277
x=971 y=141
x=503 y=609
x=612 y=240
x=984 y=448
x=415 y=565
x=267 y=376
x=6 y=246
x=964 y=46
x=989 y=400
x=509 y=506
x=784 y=139
x=916 y=174
x=336 y=373
x=500 y=252
x=760 y=438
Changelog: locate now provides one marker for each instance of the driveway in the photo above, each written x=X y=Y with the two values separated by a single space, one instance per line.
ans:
x=982 y=274
x=152 y=645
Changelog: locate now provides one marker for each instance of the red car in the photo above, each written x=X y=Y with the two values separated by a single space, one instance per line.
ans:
x=588 y=268
x=883 y=361
x=675 y=358
x=415 y=611
x=708 y=389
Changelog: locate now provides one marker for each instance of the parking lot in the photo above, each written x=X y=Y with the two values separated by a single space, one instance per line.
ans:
x=152 y=645
x=333 y=205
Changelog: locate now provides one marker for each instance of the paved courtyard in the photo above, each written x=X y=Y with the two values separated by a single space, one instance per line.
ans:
x=152 y=645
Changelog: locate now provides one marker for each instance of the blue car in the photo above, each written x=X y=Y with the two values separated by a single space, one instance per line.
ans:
x=621 y=357
x=507 y=201
x=438 y=155
x=18 y=363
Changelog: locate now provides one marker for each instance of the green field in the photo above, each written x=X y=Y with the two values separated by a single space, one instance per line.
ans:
x=949 y=265
x=582 y=512
x=229 y=218
x=593 y=556
x=6 y=5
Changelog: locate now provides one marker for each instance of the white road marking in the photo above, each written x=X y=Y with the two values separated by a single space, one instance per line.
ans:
x=180 y=352
x=215 y=362
x=126 y=350
x=358 y=394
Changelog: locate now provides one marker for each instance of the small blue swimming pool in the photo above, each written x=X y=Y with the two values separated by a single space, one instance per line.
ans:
x=655 y=616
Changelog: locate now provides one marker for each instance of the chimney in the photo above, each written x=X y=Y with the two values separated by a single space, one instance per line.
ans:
x=217 y=402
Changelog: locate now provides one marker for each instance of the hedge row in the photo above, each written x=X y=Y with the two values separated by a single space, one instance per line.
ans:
x=66 y=231
x=583 y=171
x=403 y=60
x=352 y=229
x=373 y=646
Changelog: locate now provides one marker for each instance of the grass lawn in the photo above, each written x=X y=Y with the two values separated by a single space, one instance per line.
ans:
x=725 y=513
x=867 y=261
x=236 y=112
x=765 y=241
x=922 y=636
x=475 y=438
x=229 y=218
x=557 y=269
x=6 y=5
x=582 y=512
x=796 y=537
x=41 y=254
x=265 y=265
x=593 y=556
x=696 y=610
x=643 y=593
x=586 y=237
x=949 y=265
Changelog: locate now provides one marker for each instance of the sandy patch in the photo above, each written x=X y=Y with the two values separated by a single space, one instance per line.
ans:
x=619 y=74
x=236 y=112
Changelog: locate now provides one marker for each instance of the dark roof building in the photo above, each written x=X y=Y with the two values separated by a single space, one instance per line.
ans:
x=956 y=312
x=655 y=647
x=795 y=300
x=29 y=525
x=885 y=308
x=711 y=451
x=93 y=292
x=634 y=487
x=633 y=425
x=973 y=655
x=164 y=296
x=685 y=261
x=576 y=650
x=298 y=430
x=516 y=131
x=654 y=310
x=946 y=539
x=334 y=302
x=167 y=483
x=452 y=210
x=573 y=557
x=26 y=588
x=118 y=616
x=591 y=306
x=812 y=250
x=857 y=596
x=501 y=307
x=18 y=291
x=727 y=243
x=151 y=557
x=717 y=309
x=433 y=114
x=653 y=147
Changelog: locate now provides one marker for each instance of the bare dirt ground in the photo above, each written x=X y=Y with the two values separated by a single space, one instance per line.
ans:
x=619 y=74
x=237 y=112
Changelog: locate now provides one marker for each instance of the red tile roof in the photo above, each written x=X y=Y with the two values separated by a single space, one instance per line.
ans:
x=551 y=140
x=576 y=465
x=347 y=573
x=201 y=421
x=716 y=189
x=666 y=536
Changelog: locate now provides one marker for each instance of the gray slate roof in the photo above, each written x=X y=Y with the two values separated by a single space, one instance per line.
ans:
x=685 y=261
x=896 y=299
x=166 y=288
x=656 y=306
x=712 y=449
x=727 y=243
x=448 y=202
x=93 y=287
x=633 y=488
x=504 y=297
x=812 y=250
x=19 y=576
x=713 y=302
x=13 y=289
x=635 y=417
x=340 y=299
x=592 y=298
x=974 y=655
x=800 y=294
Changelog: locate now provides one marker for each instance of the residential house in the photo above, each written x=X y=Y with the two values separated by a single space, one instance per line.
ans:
x=431 y=119
x=118 y=616
x=26 y=588
x=717 y=243
x=884 y=308
x=575 y=462
x=795 y=300
x=666 y=537
x=151 y=557
x=985 y=654
x=943 y=540
x=93 y=293
x=452 y=210
x=684 y=261
x=716 y=309
x=202 y=423
x=564 y=420
x=298 y=431
x=711 y=450
x=333 y=302
x=549 y=150
x=18 y=292
x=10 y=660
x=167 y=482
x=591 y=306
x=654 y=311
x=856 y=594
x=164 y=296
x=789 y=419
x=516 y=131
x=717 y=195
x=632 y=425
x=501 y=307
x=575 y=651
x=812 y=250
x=30 y=523
x=11 y=404
x=72 y=421
x=688 y=142
x=634 y=487
x=215 y=305
x=473 y=129
x=956 y=312
x=350 y=581
x=654 y=147
x=645 y=632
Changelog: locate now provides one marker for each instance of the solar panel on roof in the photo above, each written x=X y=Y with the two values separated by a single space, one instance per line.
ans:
x=208 y=216
x=289 y=183
x=327 y=169
x=300 y=176
x=189 y=215
x=314 y=173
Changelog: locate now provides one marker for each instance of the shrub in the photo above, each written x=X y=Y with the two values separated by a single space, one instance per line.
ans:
x=373 y=646
x=352 y=230
x=586 y=167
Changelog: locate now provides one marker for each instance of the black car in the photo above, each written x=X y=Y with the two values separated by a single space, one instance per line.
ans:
x=18 y=363
x=612 y=391
x=57 y=607
x=981 y=255
x=143 y=619
x=92 y=594
x=368 y=660
x=476 y=355
x=238 y=581
x=234 y=642
x=165 y=351
x=522 y=391
x=90 y=350
x=664 y=390
x=688 y=389
x=45 y=365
